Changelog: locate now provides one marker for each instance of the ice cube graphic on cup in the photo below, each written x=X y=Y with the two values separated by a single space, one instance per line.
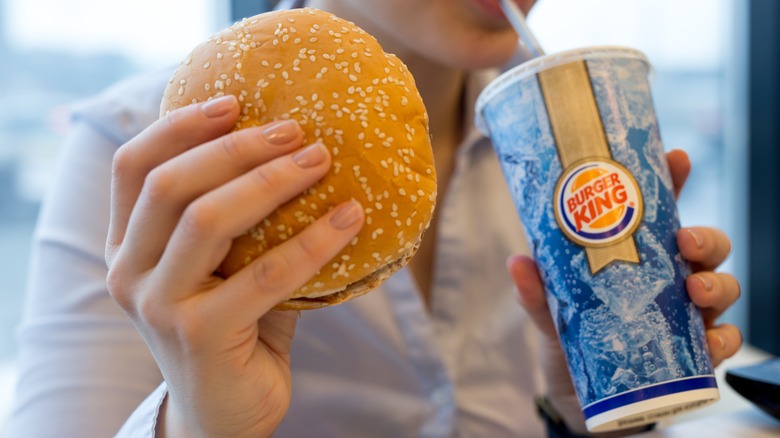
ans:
x=577 y=137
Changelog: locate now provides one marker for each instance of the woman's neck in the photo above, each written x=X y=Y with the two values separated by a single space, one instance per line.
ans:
x=441 y=89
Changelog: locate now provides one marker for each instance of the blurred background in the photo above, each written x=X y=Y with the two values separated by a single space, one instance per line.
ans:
x=715 y=63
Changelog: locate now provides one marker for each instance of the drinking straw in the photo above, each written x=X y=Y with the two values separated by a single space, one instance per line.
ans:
x=517 y=19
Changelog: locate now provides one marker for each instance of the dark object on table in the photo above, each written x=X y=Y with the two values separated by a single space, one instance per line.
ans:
x=760 y=384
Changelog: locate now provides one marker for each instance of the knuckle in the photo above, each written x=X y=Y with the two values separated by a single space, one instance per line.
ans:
x=186 y=327
x=119 y=286
x=265 y=177
x=146 y=310
x=271 y=273
x=730 y=282
x=160 y=184
x=233 y=147
x=200 y=219
x=740 y=337
x=174 y=120
x=726 y=244
x=308 y=248
x=123 y=162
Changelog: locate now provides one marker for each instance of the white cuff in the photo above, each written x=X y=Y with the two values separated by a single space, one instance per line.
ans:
x=143 y=422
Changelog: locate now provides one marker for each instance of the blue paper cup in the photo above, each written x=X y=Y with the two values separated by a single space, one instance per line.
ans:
x=578 y=140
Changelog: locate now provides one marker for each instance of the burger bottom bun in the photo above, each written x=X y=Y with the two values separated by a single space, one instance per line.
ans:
x=353 y=290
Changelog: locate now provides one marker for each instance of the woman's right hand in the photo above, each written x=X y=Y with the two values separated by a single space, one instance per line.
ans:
x=181 y=191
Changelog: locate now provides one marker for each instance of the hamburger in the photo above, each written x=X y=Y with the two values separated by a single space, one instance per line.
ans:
x=335 y=80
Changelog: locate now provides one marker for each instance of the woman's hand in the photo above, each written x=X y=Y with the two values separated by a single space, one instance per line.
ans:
x=181 y=191
x=705 y=248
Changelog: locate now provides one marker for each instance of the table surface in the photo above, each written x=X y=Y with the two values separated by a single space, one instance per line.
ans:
x=731 y=417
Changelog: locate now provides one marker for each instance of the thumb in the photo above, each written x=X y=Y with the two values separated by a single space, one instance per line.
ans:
x=531 y=294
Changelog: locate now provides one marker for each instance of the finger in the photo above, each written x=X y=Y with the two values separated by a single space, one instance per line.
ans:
x=703 y=247
x=713 y=293
x=167 y=137
x=269 y=280
x=724 y=341
x=208 y=226
x=175 y=184
x=525 y=274
x=532 y=297
x=679 y=168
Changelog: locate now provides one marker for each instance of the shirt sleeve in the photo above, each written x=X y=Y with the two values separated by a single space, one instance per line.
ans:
x=83 y=369
x=143 y=422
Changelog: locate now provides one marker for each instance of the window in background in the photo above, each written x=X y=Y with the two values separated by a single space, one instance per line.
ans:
x=697 y=50
x=55 y=53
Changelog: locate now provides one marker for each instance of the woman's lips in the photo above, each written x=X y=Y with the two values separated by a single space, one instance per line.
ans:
x=491 y=7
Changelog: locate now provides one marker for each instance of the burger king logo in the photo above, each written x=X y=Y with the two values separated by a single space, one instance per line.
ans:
x=597 y=203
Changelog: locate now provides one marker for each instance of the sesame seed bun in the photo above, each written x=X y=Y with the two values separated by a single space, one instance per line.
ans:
x=361 y=103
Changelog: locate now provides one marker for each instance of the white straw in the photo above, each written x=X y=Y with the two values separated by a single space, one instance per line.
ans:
x=517 y=18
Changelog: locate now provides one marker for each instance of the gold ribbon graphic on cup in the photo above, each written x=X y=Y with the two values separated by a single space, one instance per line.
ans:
x=582 y=147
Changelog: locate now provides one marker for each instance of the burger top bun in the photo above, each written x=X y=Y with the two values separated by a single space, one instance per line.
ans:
x=360 y=102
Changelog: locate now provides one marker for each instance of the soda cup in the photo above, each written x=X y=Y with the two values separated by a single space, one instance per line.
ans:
x=578 y=140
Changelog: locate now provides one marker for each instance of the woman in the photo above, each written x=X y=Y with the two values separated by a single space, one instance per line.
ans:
x=440 y=349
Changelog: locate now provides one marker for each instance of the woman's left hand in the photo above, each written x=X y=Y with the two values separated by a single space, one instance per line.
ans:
x=704 y=248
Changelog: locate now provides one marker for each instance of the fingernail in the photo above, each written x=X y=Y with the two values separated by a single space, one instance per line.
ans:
x=705 y=282
x=721 y=342
x=283 y=132
x=219 y=106
x=696 y=238
x=346 y=215
x=310 y=156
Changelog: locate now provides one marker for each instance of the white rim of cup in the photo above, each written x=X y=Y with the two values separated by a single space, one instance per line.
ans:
x=535 y=65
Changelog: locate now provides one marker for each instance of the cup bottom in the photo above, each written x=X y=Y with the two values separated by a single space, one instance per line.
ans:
x=651 y=410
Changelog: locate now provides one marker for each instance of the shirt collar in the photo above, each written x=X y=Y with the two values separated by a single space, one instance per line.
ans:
x=476 y=81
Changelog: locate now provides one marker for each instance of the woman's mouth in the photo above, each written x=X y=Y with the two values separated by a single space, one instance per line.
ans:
x=491 y=7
